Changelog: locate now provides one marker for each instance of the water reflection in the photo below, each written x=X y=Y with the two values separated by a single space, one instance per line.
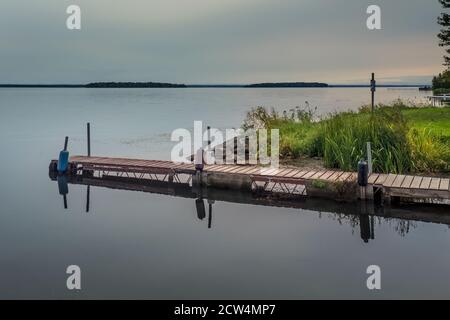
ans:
x=361 y=216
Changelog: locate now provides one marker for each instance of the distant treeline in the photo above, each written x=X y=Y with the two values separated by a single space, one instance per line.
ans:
x=288 y=85
x=133 y=85
x=42 y=86
x=171 y=85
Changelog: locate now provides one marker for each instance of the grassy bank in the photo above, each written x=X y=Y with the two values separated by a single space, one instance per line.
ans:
x=405 y=139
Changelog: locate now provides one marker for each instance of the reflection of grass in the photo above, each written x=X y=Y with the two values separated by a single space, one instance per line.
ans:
x=404 y=139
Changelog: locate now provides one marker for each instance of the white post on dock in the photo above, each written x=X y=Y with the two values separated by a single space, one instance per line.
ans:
x=369 y=157
x=368 y=193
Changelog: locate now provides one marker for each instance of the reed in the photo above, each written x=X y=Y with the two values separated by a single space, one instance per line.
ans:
x=404 y=139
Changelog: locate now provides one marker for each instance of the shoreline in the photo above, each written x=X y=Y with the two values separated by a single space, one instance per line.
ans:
x=207 y=86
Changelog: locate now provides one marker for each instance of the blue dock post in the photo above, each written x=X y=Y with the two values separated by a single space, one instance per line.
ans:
x=63 y=162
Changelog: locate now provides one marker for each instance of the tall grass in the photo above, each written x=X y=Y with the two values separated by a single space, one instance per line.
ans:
x=429 y=152
x=340 y=139
x=345 y=137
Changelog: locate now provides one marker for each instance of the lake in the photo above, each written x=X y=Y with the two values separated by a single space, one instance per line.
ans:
x=153 y=246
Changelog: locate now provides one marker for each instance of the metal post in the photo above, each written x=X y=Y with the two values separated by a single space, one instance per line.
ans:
x=373 y=85
x=88 y=139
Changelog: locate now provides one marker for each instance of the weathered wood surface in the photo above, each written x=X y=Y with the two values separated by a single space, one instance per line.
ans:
x=394 y=184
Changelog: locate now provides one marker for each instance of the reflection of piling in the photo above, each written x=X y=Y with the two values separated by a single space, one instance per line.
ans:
x=210 y=203
x=88 y=194
x=372 y=227
x=364 y=225
x=63 y=188
x=200 y=206
x=366 y=221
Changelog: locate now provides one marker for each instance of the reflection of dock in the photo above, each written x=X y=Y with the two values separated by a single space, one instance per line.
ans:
x=364 y=210
x=316 y=183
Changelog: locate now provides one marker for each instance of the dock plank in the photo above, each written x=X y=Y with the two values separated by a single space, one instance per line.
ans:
x=289 y=172
x=415 y=184
x=344 y=176
x=335 y=176
x=434 y=184
x=309 y=174
x=301 y=174
x=327 y=175
x=255 y=170
x=444 y=185
x=398 y=181
x=373 y=177
x=282 y=172
x=268 y=172
x=318 y=175
x=389 y=180
x=425 y=184
x=292 y=173
x=246 y=169
x=381 y=179
x=407 y=182
x=353 y=177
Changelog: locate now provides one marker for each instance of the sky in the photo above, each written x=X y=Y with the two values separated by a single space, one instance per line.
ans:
x=219 y=41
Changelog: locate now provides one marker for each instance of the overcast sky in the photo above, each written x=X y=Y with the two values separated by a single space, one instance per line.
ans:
x=218 y=41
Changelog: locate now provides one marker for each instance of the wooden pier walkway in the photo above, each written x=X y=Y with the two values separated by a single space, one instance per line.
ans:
x=391 y=185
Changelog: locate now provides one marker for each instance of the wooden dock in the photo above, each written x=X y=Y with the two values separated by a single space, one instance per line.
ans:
x=326 y=183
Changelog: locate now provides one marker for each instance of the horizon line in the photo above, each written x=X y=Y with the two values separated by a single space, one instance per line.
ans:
x=382 y=84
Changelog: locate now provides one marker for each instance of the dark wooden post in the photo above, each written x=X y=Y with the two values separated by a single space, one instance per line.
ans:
x=373 y=85
x=66 y=141
x=209 y=135
x=88 y=139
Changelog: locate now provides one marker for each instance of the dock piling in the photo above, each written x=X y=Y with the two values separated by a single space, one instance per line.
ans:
x=66 y=142
x=88 y=139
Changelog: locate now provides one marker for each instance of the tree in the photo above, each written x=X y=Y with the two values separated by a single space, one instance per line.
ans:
x=444 y=35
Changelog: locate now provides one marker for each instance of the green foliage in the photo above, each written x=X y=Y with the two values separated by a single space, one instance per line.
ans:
x=441 y=83
x=319 y=184
x=404 y=139
x=444 y=34
x=428 y=152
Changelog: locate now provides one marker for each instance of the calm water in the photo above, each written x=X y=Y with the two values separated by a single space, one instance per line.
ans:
x=144 y=245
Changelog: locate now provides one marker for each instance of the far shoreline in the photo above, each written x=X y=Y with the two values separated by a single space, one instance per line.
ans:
x=157 y=85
